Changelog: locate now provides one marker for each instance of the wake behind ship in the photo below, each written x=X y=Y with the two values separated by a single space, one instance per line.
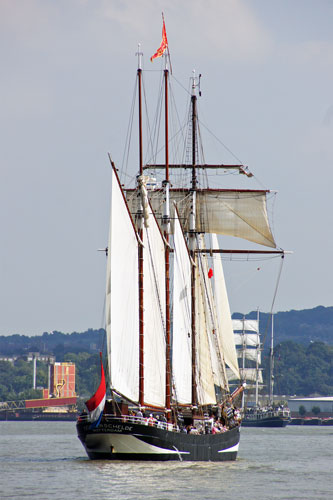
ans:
x=168 y=322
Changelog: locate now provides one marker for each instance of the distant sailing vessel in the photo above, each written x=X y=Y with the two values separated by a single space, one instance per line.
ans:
x=168 y=322
x=249 y=348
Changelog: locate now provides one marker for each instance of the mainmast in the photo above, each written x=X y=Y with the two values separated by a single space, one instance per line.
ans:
x=166 y=231
x=140 y=232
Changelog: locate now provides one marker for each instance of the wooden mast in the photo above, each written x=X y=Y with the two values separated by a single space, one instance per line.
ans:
x=192 y=238
x=166 y=225
x=140 y=250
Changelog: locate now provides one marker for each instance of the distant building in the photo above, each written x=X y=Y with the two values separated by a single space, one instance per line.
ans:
x=325 y=404
x=62 y=380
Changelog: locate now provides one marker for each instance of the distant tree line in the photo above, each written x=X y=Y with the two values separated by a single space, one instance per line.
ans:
x=16 y=379
x=299 y=370
x=303 y=355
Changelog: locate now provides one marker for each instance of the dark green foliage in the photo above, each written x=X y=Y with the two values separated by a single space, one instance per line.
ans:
x=303 y=355
x=16 y=379
x=308 y=325
x=88 y=372
x=56 y=343
x=316 y=410
x=302 y=410
x=302 y=370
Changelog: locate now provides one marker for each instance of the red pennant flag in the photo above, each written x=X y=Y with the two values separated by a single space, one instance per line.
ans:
x=164 y=44
x=210 y=273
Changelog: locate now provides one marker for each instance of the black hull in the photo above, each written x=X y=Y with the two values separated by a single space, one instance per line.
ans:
x=118 y=440
x=265 y=422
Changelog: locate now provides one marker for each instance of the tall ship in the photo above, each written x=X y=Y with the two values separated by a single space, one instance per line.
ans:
x=168 y=323
x=249 y=352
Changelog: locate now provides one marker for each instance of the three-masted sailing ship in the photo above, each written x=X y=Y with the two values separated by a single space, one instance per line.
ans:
x=168 y=321
x=249 y=350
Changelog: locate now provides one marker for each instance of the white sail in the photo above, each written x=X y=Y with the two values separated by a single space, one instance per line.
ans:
x=182 y=336
x=252 y=354
x=204 y=371
x=154 y=314
x=225 y=323
x=247 y=375
x=122 y=319
x=212 y=327
x=247 y=339
x=250 y=325
x=230 y=212
x=251 y=374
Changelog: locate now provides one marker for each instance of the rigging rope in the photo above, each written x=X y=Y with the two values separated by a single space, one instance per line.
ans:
x=269 y=319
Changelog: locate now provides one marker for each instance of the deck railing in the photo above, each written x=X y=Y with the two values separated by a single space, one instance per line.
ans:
x=133 y=419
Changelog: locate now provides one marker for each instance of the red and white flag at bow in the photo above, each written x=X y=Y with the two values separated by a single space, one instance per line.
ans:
x=164 y=44
x=96 y=403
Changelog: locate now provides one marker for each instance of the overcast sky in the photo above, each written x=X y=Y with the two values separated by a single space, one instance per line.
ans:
x=67 y=77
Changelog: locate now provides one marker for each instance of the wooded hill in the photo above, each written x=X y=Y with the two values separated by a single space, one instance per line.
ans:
x=303 y=355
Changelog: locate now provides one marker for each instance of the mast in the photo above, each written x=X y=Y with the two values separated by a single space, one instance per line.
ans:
x=140 y=231
x=257 y=363
x=243 y=361
x=271 y=366
x=192 y=237
x=166 y=227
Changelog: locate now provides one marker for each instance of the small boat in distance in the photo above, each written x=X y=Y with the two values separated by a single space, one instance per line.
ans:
x=168 y=321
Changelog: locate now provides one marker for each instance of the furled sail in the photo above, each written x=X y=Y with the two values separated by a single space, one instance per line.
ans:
x=225 y=329
x=250 y=375
x=154 y=314
x=122 y=320
x=249 y=339
x=250 y=325
x=252 y=354
x=182 y=336
x=230 y=212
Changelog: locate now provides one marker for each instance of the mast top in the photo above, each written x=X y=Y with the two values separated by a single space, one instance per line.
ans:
x=195 y=83
x=139 y=54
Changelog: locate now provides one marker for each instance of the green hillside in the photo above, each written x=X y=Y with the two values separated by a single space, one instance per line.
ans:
x=303 y=355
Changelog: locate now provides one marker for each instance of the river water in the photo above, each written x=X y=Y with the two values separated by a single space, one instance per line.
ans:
x=45 y=460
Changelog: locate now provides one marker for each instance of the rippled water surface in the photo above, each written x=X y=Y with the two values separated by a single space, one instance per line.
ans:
x=45 y=460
